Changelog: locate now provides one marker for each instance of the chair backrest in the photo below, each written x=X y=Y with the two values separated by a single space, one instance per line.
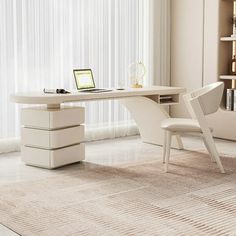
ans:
x=204 y=101
x=209 y=98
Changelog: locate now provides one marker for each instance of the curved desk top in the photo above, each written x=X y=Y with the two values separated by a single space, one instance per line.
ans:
x=41 y=98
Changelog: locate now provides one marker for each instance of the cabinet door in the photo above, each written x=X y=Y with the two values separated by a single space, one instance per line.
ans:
x=187 y=17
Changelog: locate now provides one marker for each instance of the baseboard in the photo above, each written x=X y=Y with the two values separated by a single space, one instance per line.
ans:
x=9 y=145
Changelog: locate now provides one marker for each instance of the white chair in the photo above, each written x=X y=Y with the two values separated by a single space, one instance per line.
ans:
x=199 y=103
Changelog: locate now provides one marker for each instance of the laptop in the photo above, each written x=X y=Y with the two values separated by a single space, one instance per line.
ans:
x=85 y=82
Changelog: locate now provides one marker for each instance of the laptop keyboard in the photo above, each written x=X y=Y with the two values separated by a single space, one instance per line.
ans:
x=95 y=90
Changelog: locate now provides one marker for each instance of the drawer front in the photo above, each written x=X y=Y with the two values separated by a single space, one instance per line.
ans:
x=36 y=157
x=48 y=119
x=53 y=158
x=67 y=117
x=51 y=139
x=67 y=155
x=35 y=118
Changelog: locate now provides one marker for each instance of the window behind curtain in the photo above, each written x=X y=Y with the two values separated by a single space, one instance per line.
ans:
x=42 y=41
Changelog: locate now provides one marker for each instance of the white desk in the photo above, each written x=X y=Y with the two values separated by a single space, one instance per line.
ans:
x=52 y=134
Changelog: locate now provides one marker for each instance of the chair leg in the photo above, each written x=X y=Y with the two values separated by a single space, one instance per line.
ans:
x=208 y=149
x=180 y=143
x=164 y=148
x=168 y=146
x=213 y=151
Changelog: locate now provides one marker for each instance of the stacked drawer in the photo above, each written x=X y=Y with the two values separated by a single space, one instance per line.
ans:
x=52 y=137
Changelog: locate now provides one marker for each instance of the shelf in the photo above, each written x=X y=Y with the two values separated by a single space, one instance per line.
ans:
x=228 y=39
x=228 y=77
x=169 y=103
x=223 y=109
x=166 y=100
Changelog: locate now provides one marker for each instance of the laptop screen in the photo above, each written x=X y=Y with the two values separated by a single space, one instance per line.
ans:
x=84 y=79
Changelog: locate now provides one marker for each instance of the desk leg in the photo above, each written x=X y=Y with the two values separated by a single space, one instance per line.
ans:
x=148 y=116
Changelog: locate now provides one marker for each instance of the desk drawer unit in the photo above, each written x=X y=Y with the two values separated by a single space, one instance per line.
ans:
x=52 y=137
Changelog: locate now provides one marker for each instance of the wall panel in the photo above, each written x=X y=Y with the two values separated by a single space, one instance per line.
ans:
x=186 y=47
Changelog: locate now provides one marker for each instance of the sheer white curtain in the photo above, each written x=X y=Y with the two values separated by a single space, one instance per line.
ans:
x=42 y=41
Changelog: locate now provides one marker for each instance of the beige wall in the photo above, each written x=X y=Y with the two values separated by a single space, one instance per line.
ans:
x=211 y=41
x=187 y=17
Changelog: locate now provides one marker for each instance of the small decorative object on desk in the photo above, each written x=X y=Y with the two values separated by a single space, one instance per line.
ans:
x=136 y=73
x=234 y=27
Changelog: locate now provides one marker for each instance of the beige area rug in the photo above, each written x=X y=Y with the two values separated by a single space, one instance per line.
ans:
x=87 y=199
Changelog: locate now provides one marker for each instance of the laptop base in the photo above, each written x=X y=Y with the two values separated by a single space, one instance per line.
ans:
x=95 y=90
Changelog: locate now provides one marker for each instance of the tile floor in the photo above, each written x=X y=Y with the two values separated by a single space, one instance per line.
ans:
x=117 y=152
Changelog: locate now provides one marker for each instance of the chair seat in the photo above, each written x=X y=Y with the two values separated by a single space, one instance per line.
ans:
x=181 y=125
